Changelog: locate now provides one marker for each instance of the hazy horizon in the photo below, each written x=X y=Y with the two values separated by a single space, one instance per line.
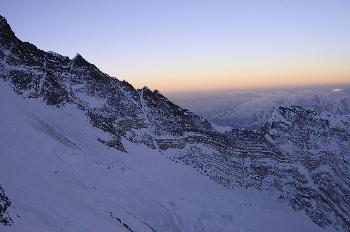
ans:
x=213 y=92
x=192 y=46
x=250 y=109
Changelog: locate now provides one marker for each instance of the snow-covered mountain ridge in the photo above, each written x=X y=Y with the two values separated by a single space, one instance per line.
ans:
x=250 y=109
x=133 y=133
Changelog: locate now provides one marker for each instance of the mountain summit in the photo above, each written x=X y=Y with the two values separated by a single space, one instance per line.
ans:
x=83 y=151
x=5 y=28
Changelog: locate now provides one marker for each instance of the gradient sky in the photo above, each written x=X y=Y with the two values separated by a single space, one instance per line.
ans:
x=195 y=45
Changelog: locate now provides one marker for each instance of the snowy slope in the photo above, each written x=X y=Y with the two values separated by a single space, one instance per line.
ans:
x=81 y=150
x=60 y=178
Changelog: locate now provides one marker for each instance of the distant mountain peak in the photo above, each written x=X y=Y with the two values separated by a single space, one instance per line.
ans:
x=337 y=90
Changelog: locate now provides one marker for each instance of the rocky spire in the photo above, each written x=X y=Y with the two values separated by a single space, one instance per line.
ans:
x=80 y=61
x=6 y=33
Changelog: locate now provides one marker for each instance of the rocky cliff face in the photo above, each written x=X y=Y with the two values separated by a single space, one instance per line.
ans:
x=301 y=156
x=320 y=145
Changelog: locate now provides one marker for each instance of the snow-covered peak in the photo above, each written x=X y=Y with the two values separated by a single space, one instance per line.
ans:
x=337 y=90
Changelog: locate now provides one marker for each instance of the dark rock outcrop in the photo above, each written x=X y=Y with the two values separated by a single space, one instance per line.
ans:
x=5 y=204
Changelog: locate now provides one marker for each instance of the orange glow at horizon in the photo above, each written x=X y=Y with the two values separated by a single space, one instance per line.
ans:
x=218 y=71
x=176 y=46
x=243 y=78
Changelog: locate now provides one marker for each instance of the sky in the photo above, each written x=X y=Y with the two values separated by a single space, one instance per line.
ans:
x=177 y=46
